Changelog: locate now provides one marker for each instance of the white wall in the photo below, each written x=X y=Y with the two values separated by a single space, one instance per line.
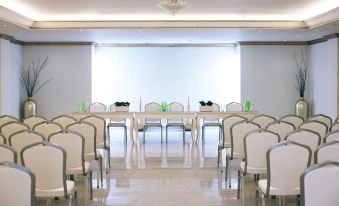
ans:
x=10 y=54
x=324 y=65
x=70 y=67
x=166 y=74
x=268 y=78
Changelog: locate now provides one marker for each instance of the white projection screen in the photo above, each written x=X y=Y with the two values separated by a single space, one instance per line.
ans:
x=165 y=74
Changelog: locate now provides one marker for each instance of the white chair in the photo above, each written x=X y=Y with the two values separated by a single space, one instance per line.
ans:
x=21 y=139
x=293 y=119
x=334 y=127
x=256 y=144
x=74 y=145
x=88 y=131
x=263 y=120
x=211 y=122
x=33 y=120
x=327 y=151
x=286 y=161
x=281 y=127
x=48 y=162
x=305 y=137
x=337 y=119
x=175 y=107
x=234 y=107
x=225 y=140
x=320 y=185
x=2 y=139
x=117 y=122
x=97 y=107
x=8 y=154
x=6 y=118
x=238 y=132
x=17 y=185
x=322 y=118
x=64 y=120
x=11 y=127
x=47 y=128
x=152 y=122
x=101 y=140
x=316 y=126
x=331 y=136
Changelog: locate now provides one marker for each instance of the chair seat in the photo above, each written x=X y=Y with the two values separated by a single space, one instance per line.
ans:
x=57 y=192
x=252 y=170
x=277 y=191
x=116 y=124
x=78 y=170
x=216 y=124
x=101 y=145
x=179 y=124
x=153 y=124
x=236 y=155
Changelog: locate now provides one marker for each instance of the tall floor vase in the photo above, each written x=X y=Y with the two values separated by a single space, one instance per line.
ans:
x=302 y=108
x=29 y=107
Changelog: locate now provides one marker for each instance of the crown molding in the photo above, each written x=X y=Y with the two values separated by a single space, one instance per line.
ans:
x=15 y=18
x=272 y=43
x=58 y=43
x=324 y=18
x=168 y=45
x=324 y=39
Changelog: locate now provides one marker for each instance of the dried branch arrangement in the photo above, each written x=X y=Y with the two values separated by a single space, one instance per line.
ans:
x=301 y=74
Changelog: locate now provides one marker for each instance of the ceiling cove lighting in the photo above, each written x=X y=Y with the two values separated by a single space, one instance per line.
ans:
x=174 y=6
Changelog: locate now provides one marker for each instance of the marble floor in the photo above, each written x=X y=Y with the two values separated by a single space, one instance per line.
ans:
x=172 y=173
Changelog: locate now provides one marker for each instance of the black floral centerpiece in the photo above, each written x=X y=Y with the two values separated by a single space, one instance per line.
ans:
x=206 y=106
x=122 y=106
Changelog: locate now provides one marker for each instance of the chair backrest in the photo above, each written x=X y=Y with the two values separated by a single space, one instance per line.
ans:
x=21 y=139
x=286 y=161
x=2 y=139
x=215 y=108
x=11 y=127
x=88 y=132
x=293 y=119
x=305 y=137
x=334 y=127
x=17 y=185
x=316 y=126
x=227 y=123
x=281 y=127
x=331 y=136
x=112 y=108
x=152 y=107
x=320 y=185
x=64 y=120
x=100 y=125
x=33 y=120
x=175 y=107
x=256 y=144
x=322 y=118
x=6 y=118
x=327 y=151
x=74 y=145
x=46 y=128
x=238 y=132
x=48 y=162
x=97 y=107
x=8 y=154
x=263 y=120
x=234 y=107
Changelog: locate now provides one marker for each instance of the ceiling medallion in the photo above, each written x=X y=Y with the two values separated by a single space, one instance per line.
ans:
x=174 y=6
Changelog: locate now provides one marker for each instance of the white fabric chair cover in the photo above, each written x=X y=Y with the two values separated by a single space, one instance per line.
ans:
x=8 y=154
x=320 y=185
x=175 y=107
x=331 y=136
x=227 y=123
x=152 y=107
x=316 y=126
x=97 y=107
x=11 y=127
x=64 y=120
x=17 y=185
x=100 y=125
x=334 y=127
x=2 y=139
x=328 y=151
x=293 y=119
x=281 y=127
x=33 y=120
x=6 y=118
x=322 y=118
x=263 y=120
x=120 y=121
x=213 y=121
x=234 y=107
x=47 y=128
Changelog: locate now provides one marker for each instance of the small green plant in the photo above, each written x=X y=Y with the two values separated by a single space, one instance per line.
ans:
x=122 y=104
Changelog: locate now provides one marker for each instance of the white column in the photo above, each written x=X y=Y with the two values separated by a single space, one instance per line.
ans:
x=5 y=60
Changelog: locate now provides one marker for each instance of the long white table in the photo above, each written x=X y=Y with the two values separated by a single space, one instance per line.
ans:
x=220 y=115
x=111 y=115
x=165 y=115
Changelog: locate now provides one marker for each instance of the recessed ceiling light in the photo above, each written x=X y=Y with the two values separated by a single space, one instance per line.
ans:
x=81 y=30
x=260 y=30
x=285 y=40
x=139 y=30
x=316 y=30
x=298 y=36
x=5 y=25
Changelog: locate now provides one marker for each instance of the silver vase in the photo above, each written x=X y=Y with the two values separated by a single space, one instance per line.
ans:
x=29 y=107
x=302 y=108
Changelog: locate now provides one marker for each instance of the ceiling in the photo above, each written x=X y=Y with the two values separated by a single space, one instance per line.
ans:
x=141 y=21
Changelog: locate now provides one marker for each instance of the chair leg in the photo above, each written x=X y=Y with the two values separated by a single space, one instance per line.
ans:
x=166 y=134
x=91 y=185
x=262 y=199
x=70 y=199
x=239 y=186
x=219 y=154
x=183 y=134
x=144 y=134
x=229 y=173
x=226 y=168
x=203 y=134
x=242 y=187
x=161 y=131
x=125 y=133
x=108 y=159
x=101 y=173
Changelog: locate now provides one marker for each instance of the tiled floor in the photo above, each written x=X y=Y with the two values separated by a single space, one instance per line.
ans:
x=173 y=173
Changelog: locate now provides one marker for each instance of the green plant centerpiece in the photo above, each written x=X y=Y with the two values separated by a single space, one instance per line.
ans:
x=122 y=106
x=29 y=78
x=302 y=106
x=206 y=106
